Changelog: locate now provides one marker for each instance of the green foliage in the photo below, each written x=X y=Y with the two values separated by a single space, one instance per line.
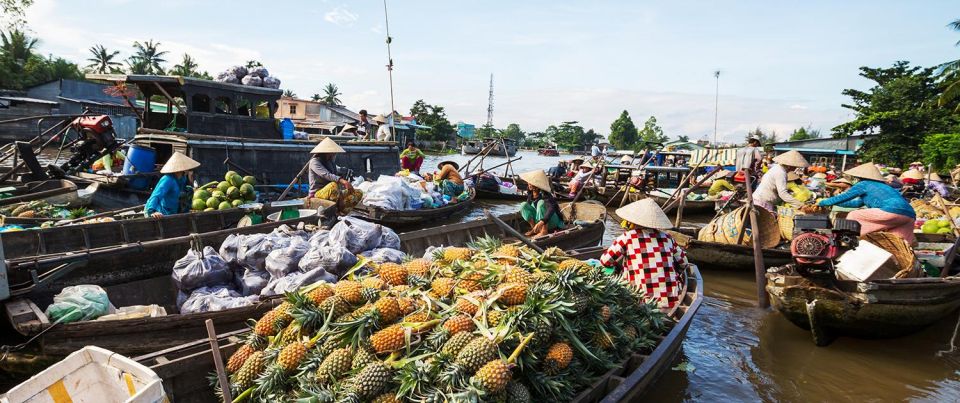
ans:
x=12 y=12
x=568 y=135
x=486 y=131
x=188 y=68
x=941 y=150
x=950 y=76
x=289 y=93
x=316 y=97
x=435 y=117
x=651 y=132
x=513 y=132
x=623 y=133
x=805 y=133
x=683 y=138
x=253 y=63
x=900 y=109
x=101 y=60
x=330 y=94
x=147 y=58
x=536 y=139
x=21 y=68
x=763 y=136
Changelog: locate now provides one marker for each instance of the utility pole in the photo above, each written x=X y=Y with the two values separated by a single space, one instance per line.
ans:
x=386 y=19
x=716 y=107
x=490 y=104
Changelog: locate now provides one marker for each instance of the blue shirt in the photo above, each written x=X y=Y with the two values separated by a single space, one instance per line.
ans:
x=165 y=198
x=872 y=194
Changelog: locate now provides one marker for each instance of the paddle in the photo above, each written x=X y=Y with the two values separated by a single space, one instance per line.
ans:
x=510 y=230
x=294 y=180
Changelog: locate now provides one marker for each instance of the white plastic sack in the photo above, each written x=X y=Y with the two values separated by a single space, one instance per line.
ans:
x=251 y=282
x=332 y=258
x=252 y=81
x=384 y=255
x=271 y=82
x=201 y=269
x=259 y=71
x=355 y=235
x=294 y=281
x=210 y=299
x=281 y=262
x=389 y=238
x=253 y=250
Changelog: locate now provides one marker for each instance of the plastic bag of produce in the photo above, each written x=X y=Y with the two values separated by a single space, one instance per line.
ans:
x=271 y=82
x=389 y=238
x=290 y=232
x=209 y=299
x=383 y=255
x=254 y=249
x=259 y=71
x=252 y=81
x=293 y=281
x=229 y=247
x=319 y=238
x=355 y=234
x=251 y=282
x=201 y=269
x=284 y=261
x=77 y=303
x=332 y=258
x=227 y=77
x=238 y=71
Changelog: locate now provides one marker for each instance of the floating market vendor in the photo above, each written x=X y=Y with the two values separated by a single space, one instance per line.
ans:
x=893 y=181
x=573 y=167
x=348 y=130
x=325 y=182
x=913 y=185
x=363 y=127
x=797 y=189
x=451 y=183
x=558 y=171
x=936 y=184
x=541 y=209
x=383 y=131
x=411 y=157
x=773 y=184
x=721 y=186
x=886 y=209
x=165 y=198
x=652 y=260
x=841 y=185
x=580 y=179
x=750 y=157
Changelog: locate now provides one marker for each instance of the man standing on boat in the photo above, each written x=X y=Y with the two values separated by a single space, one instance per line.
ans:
x=363 y=127
x=165 y=198
x=541 y=209
x=750 y=157
x=652 y=260
x=325 y=183
x=773 y=186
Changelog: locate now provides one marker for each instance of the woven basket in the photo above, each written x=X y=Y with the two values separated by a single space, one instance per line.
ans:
x=904 y=260
x=729 y=227
x=708 y=233
x=785 y=215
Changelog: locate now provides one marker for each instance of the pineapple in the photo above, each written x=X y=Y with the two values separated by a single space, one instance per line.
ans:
x=320 y=294
x=349 y=290
x=290 y=334
x=471 y=281
x=494 y=317
x=373 y=282
x=389 y=309
x=605 y=313
x=443 y=286
x=334 y=366
x=517 y=393
x=363 y=357
x=456 y=343
x=417 y=267
x=465 y=306
x=493 y=376
x=581 y=302
x=238 y=358
x=388 y=397
x=453 y=254
x=399 y=289
x=393 y=274
x=558 y=357
x=421 y=316
x=603 y=340
x=388 y=339
x=630 y=332
x=370 y=381
x=540 y=276
x=267 y=325
x=508 y=251
x=291 y=356
x=574 y=264
x=336 y=303
x=406 y=305
x=475 y=354
x=459 y=323
x=518 y=275
x=513 y=293
x=249 y=371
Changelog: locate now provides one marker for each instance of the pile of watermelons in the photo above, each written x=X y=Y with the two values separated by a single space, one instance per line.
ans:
x=231 y=192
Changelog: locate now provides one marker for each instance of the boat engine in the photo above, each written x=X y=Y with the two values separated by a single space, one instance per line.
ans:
x=96 y=139
x=817 y=244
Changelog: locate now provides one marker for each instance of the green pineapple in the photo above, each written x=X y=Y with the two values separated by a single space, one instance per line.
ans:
x=334 y=366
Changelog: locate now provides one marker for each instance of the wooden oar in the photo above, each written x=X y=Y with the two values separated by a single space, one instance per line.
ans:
x=510 y=230
x=758 y=268
x=670 y=204
x=294 y=180
x=499 y=165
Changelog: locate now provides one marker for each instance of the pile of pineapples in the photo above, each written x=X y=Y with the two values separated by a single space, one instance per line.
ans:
x=491 y=322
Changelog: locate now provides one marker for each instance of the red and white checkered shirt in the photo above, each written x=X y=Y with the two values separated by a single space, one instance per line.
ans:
x=652 y=261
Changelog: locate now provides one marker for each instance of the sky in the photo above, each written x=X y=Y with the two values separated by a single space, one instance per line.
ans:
x=783 y=65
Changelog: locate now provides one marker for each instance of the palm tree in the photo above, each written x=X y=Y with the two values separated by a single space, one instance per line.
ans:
x=289 y=94
x=150 y=55
x=315 y=97
x=950 y=74
x=253 y=63
x=102 y=60
x=683 y=138
x=17 y=46
x=330 y=94
x=186 y=68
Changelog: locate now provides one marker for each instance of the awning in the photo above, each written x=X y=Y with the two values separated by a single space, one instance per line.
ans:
x=815 y=150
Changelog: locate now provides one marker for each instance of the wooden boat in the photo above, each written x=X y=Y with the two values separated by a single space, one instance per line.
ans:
x=662 y=196
x=508 y=149
x=548 y=152
x=626 y=382
x=720 y=256
x=590 y=216
x=42 y=261
x=406 y=218
x=57 y=191
x=485 y=194
x=874 y=309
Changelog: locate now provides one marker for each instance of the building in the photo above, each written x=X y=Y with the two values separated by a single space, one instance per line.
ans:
x=315 y=117
x=15 y=105
x=825 y=151
x=678 y=145
x=73 y=97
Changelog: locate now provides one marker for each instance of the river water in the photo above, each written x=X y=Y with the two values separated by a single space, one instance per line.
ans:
x=735 y=351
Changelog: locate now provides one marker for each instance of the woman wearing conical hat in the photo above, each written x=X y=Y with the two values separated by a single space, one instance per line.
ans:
x=886 y=209
x=773 y=185
x=541 y=209
x=935 y=183
x=165 y=198
x=651 y=258
x=325 y=182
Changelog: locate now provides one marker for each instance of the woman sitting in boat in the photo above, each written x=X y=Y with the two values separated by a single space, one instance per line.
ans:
x=797 y=189
x=325 y=183
x=936 y=184
x=886 y=209
x=773 y=185
x=721 y=187
x=651 y=258
x=411 y=157
x=451 y=183
x=913 y=186
x=580 y=179
x=165 y=198
x=540 y=210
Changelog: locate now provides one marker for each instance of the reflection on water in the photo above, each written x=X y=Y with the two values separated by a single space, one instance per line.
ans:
x=737 y=352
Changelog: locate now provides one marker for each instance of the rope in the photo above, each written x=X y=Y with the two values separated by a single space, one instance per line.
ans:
x=953 y=345
x=6 y=350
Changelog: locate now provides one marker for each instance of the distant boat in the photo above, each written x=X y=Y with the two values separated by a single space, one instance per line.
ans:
x=549 y=152
x=471 y=147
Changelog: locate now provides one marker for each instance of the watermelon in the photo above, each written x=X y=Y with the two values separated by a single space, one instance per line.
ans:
x=249 y=179
x=198 y=204
x=229 y=174
x=213 y=202
x=224 y=205
x=237 y=202
x=233 y=192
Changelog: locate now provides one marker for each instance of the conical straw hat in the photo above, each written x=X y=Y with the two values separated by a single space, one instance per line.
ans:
x=348 y=127
x=911 y=174
x=179 y=162
x=865 y=171
x=327 y=146
x=792 y=176
x=380 y=119
x=645 y=213
x=935 y=177
x=791 y=158
x=538 y=179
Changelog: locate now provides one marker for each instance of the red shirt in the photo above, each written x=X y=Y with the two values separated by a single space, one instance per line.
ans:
x=653 y=261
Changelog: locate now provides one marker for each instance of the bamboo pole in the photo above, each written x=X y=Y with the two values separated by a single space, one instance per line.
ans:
x=295 y=178
x=686 y=178
x=218 y=362
x=763 y=301
x=669 y=204
x=510 y=230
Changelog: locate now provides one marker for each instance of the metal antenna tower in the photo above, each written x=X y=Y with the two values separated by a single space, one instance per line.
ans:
x=490 y=104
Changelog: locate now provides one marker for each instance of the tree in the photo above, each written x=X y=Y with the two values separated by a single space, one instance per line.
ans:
x=149 y=57
x=941 y=150
x=17 y=46
x=13 y=12
x=536 y=139
x=188 y=68
x=568 y=135
x=330 y=94
x=487 y=131
x=683 y=138
x=590 y=137
x=623 y=133
x=950 y=75
x=102 y=61
x=253 y=63
x=513 y=132
x=805 y=133
x=315 y=97
x=900 y=110
x=433 y=116
x=764 y=138
x=21 y=68
x=289 y=93
x=651 y=132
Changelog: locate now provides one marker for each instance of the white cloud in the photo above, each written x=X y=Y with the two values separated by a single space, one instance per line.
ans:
x=341 y=16
x=798 y=106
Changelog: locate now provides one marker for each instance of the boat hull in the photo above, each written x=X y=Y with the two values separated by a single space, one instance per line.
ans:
x=405 y=219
